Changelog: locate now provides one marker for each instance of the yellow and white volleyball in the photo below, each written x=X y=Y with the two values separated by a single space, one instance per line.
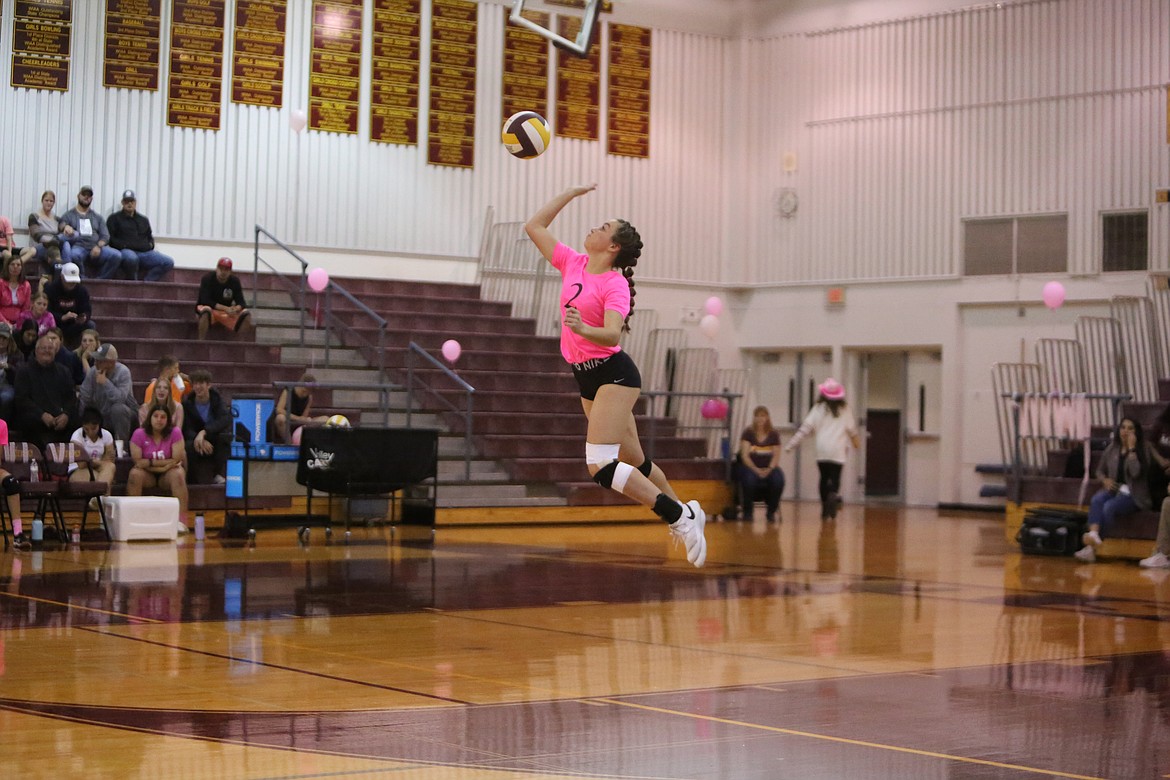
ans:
x=526 y=134
x=337 y=421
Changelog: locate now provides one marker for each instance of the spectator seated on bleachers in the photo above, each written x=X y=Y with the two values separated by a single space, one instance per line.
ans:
x=1124 y=474
x=293 y=409
x=207 y=428
x=109 y=388
x=44 y=227
x=46 y=397
x=39 y=313
x=130 y=234
x=88 y=237
x=15 y=291
x=158 y=453
x=93 y=450
x=10 y=360
x=169 y=373
x=90 y=341
x=70 y=305
x=159 y=396
x=221 y=301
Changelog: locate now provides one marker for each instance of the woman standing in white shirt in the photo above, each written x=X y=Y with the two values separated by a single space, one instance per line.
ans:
x=836 y=429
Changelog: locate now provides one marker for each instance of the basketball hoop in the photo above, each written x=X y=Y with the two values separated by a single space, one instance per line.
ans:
x=584 y=40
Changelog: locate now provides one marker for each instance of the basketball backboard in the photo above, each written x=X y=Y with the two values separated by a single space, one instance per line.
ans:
x=584 y=40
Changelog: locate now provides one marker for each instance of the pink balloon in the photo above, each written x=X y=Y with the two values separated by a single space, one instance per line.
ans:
x=318 y=279
x=710 y=326
x=452 y=350
x=296 y=435
x=713 y=409
x=713 y=306
x=1053 y=295
x=297 y=120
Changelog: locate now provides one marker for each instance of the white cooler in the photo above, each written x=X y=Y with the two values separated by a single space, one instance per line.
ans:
x=142 y=517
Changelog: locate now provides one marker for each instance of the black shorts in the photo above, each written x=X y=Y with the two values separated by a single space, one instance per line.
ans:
x=617 y=369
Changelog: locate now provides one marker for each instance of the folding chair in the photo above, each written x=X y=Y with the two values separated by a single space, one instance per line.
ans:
x=18 y=457
x=63 y=455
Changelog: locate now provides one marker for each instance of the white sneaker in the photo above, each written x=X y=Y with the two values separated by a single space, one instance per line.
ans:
x=689 y=528
x=1156 y=561
x=219 y=479
x=1088 y=553
x=1091 y=537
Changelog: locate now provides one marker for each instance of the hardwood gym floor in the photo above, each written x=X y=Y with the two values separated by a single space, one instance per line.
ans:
x=893 y=643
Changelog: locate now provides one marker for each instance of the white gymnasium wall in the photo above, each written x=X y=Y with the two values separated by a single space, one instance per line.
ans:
x=903 y=129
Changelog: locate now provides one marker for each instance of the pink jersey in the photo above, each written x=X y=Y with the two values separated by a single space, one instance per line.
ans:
x=592 y=295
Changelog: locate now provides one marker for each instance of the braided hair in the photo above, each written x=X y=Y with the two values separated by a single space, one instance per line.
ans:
x=630 y=243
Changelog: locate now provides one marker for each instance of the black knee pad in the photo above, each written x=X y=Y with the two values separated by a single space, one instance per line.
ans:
x=10 y=485
x=646 y=468
x=604 y=475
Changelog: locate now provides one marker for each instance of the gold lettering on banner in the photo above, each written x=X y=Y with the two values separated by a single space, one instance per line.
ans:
x=133 y=42
x=258 y=52
x=628 y=94
x=451 y=129
x=578 y=87
x=525 y=71
x=195 y=86
x=335 y=66
x=42 y=36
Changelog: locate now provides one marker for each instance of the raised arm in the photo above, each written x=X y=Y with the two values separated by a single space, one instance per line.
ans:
x=537 y=225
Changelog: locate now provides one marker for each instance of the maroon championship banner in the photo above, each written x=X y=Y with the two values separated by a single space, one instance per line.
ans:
x=335 y=66
x=578 y=87
x=525 y=72
x=258 y=52
x=42 y=33
x=195 y=84
x=133 y=40
x=628 y=111
x=394 y=79
x=451 y=126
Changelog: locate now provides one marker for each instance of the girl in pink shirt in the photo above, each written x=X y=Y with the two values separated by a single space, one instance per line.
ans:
x=159 y=459
x=597 y=291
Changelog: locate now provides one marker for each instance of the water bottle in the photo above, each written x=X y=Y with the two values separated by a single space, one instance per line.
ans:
x=34 y=471
x=75 y=535
x=199 y=528
x=38 y=531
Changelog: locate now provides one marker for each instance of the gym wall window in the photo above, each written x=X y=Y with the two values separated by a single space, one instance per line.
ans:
x=1124 y=242
x=1015 y=245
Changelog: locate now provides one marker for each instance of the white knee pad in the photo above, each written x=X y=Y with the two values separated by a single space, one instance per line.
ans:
x=601 y=454
x=621 y=475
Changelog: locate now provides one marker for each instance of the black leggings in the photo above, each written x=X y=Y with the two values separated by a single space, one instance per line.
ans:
x=830 y=479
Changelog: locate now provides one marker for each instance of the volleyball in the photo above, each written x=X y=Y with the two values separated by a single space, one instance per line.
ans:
x=337 y=421
x=526 y=134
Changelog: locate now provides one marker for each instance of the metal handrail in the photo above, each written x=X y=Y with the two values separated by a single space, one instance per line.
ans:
x=415 y=349
x=653 y=395
x=298 y=290
x=331 y=322
x=383 y=388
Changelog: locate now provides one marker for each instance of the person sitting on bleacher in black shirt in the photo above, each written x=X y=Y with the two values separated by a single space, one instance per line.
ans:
x=207 y=422
x=70 y=305
x=46 y=397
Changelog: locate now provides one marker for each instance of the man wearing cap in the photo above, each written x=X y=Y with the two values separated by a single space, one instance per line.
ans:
x=130 y=234
x=69 y=304
x=221 y=300
x=46 y=398
x=88 y=237
x=108 y=388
